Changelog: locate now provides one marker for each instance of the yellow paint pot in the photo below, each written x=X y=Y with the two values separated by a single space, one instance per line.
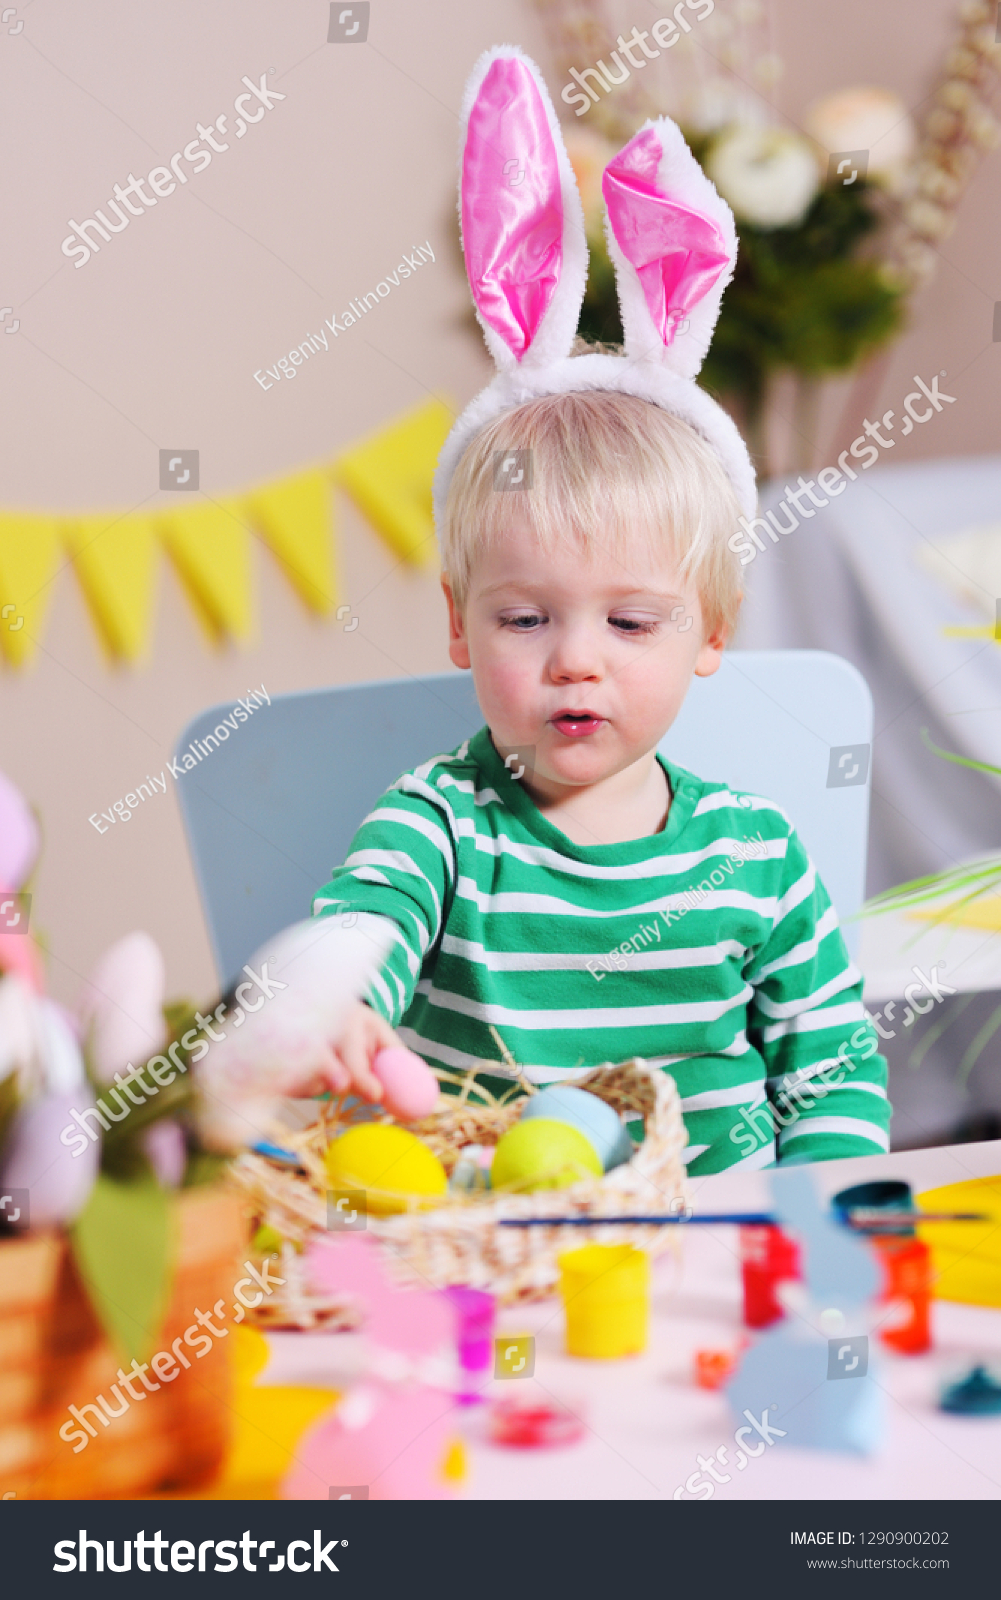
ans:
x=966 y=1256
x=606 y=1296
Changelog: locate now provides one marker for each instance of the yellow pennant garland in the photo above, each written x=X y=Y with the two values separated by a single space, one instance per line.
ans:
x=116 y=556
x=210 y=547
x=388 y=479
x=294 y=519
x=29 y=558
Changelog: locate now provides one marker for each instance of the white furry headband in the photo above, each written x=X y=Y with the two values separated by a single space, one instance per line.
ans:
x=670 y=237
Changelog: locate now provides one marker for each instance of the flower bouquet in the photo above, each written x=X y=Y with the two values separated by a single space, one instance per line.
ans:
x=838 y=220
x=114 y=1241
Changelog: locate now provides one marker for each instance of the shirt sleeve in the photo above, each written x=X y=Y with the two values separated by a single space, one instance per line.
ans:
x=826 y=1082
x=401 y=866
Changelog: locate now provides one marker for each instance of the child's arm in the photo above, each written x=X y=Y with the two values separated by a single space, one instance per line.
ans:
x=401 y=866
x=826 y=1081
x=375 y=921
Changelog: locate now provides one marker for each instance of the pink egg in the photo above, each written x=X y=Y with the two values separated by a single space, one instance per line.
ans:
x=411 y=1087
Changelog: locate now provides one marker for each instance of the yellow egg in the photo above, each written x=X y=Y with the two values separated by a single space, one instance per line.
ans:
x=394 y=1167
x=543 y=1154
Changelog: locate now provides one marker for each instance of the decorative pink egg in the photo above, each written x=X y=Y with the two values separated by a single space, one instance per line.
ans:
x=411 y=1087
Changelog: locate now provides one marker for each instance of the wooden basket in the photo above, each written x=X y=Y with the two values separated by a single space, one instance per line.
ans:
x=53 y=1354
x=460 y=1240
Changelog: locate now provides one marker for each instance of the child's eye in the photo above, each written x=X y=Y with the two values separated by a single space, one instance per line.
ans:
x=523 y=623
x=632 y=625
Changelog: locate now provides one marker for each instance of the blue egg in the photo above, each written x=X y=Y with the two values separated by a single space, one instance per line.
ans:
x=589 y=1115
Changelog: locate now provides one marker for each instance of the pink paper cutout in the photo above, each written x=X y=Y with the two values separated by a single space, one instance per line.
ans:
x=512 y=206
x=412 y=1321
x=390 y=1437
x=397 y=1454
x=678 y=253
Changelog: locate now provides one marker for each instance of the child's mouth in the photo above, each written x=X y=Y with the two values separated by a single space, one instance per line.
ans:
x=577 y=724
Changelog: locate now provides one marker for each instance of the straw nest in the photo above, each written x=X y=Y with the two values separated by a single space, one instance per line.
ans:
x=458 y=1240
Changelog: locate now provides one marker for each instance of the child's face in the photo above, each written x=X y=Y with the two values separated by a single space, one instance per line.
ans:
x=615 y=640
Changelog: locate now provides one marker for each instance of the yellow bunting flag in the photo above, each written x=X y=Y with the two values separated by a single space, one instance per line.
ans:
x=114 y=556
x=210 y=547
x=294 y=519
x=114 y=553
x=389 y=478
x=29 y=557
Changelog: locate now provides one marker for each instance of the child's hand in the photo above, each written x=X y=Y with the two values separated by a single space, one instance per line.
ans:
x=311 y=1035
x=364 y=1034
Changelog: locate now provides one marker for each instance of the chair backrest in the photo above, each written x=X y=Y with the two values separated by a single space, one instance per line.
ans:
x=272 y=810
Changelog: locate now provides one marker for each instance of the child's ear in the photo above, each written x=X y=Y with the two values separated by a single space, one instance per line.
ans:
x=710 y=656
x=458 y=646
x=714 y=642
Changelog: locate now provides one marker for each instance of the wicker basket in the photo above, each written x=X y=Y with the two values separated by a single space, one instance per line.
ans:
x=460 y=1240
x=53 y=1354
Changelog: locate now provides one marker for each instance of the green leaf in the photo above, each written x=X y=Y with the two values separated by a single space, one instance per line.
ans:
x=204 y=1166
x=124 y=1245
x=8 y=1104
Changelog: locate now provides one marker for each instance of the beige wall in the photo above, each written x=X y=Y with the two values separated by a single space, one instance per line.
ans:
x=154 y=343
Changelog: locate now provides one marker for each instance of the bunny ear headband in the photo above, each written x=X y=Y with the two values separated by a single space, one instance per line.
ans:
x=670 y=237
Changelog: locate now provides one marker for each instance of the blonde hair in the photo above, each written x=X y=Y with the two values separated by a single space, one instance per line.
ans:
x=608 y=469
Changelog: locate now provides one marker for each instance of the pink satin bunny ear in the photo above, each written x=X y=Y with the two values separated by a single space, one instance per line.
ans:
x=673 y=243
x=521 y=215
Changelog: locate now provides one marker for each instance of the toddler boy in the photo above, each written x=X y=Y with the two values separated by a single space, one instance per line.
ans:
x=556 y=878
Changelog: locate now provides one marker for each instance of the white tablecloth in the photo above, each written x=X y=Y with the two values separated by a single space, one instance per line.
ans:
x=648 y=1422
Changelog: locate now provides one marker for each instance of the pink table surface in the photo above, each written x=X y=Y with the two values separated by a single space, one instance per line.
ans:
x=647 y=1422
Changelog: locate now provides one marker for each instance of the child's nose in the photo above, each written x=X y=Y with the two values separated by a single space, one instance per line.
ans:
x=575 y=657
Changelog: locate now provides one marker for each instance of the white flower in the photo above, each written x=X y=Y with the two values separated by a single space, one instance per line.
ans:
x=768 y=176
x=875 y=120
x=58 y=1049
x=120 y=1007
x=37 y=1042
x=17 y=1031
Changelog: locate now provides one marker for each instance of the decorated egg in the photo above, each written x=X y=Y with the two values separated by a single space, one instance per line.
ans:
x=543 y=1154
x=393 y=1166
x=411 y=1088
x=596 y=1120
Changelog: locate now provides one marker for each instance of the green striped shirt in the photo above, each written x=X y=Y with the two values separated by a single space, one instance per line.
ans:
x=711 y=948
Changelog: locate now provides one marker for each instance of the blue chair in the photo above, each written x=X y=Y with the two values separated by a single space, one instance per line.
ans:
x=273 y=809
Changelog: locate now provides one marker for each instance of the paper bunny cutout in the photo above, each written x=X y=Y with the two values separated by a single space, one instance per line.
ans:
x=390 y=1433
x=671 y=239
